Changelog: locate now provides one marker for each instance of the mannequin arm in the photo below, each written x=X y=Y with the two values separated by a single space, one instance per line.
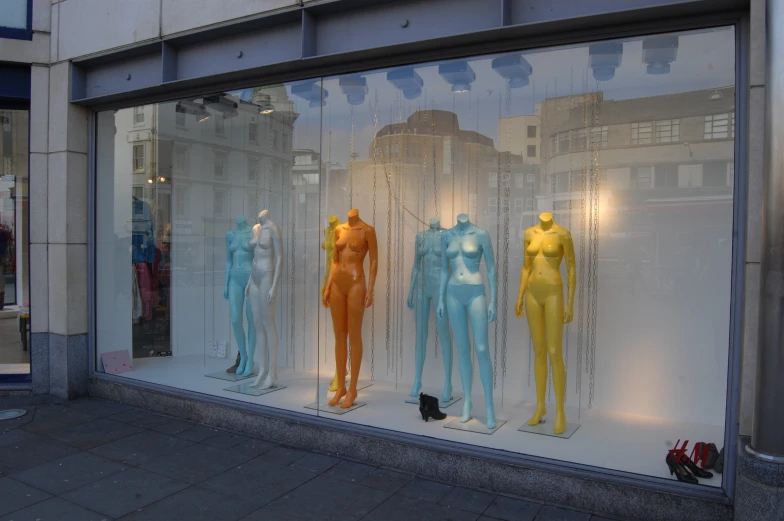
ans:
x=571 y=270
x=525 y=272
x=487 y=247
x=373 y=251
x=228 y=268
x=277 y=244
x=440 y=311
x=414 y=271
x=328 y=286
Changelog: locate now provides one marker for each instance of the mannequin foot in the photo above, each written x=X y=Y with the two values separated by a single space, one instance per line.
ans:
x=248 y=369
x=348 y=401
x=466 y=411
x=415 y=389
x=560 y=422
x=241 y=366
x=447 y=394
x=267 y=382
x=340 y=393
x=536 y=419
x=333 y=385
x=490 y=419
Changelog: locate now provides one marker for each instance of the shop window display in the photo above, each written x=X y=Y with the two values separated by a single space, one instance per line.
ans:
x=354 y=247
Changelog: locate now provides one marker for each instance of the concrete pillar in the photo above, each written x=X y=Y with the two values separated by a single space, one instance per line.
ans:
x=759 y=492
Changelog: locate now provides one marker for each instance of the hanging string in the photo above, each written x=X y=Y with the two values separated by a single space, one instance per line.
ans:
x=351 y=164
x=593 y=270
x=569 y=217
x=581 y=265
x=505 y=273
x=498 y=182
x=542 y=139
x=292 y=269
x=373 y=308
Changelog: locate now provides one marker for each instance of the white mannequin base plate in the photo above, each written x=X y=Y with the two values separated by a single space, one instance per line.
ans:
x=229 y=377
x=545 y=428
x=247 y=388
x=334 y=409
x=475 y=424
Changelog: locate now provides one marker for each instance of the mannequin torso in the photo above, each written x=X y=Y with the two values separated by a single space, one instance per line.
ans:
x=464 y=251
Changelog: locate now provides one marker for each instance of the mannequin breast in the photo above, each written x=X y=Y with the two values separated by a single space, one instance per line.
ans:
x=546 y=251
x=263 y=250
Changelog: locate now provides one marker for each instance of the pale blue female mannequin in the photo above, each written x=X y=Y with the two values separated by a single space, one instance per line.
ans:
x=239 y=260
x=423 y=290
x=463 y=290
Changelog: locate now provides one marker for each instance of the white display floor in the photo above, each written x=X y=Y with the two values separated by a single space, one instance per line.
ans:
x=614 y=441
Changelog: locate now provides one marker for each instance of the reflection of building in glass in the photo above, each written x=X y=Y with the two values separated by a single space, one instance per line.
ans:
x=14 y=130
x=466 y=162
x=661 y=159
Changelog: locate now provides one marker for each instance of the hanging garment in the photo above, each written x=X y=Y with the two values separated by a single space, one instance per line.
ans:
x=145 y=287
x=136 y=297
x=142 y=243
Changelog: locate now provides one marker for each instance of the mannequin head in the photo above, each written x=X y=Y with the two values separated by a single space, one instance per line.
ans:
x=263 y=216
x=353 y=213
x=462 y=219
x=241 y=219
x=435 y=222
x=546 y=220
x=332 y=219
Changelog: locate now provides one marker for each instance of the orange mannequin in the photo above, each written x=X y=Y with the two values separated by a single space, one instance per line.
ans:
x=347 y=297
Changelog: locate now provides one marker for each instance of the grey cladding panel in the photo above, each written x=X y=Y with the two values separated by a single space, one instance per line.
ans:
x=259 y=48
x=382 y=25
x=112 y=78
x=533 y=11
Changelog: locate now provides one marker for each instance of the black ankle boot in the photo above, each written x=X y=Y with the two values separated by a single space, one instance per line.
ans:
x=428 y=407
x=233 y=369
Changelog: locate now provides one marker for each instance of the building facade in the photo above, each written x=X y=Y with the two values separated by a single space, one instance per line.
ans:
x=167 y=183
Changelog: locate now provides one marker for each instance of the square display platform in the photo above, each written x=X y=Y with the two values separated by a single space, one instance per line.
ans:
x=334 y=409
x=247 y=388
x=544 y=428
x=229 y=377
x=441 y=405
x=361 y=384
x=476 y=424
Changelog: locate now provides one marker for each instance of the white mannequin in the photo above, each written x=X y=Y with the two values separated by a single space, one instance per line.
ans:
x=267 y=246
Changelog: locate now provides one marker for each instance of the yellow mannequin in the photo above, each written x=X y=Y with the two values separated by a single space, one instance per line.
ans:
x=540 y=282
x=329 y=246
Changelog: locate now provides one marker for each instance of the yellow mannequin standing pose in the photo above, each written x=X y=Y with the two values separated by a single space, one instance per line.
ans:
x=329 y=247
x=545 y=245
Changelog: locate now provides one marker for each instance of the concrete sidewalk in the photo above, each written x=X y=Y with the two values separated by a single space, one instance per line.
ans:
x=94 y=460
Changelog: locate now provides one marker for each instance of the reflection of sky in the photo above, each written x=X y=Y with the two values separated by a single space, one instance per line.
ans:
x=705 y=60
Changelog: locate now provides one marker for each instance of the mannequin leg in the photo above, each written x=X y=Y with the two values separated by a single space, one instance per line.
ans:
x=457 y=317
x=446 y=353
x=338 y=307
x=256 y=309
x=236 y=301
x=536 y=325
x=477 y=313
x=251 y=327
x=553 y=312
x=422 y=311
x=356 y=311
x=270 y=344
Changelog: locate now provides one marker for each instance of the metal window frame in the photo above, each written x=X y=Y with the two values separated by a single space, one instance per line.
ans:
x=20 y=34
x=678 y=16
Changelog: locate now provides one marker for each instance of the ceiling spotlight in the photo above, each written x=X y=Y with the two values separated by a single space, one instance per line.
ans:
x=162 y=179
x=204 y=117
x=312 y=92
x=355 y=88
x=459 y=74
x=658 y=52
x=150 y=181
x=604 y=58
x=514 y=69
x=407 y=80
x=716 y=95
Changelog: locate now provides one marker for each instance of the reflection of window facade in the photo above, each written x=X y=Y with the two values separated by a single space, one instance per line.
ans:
x=219 y=167
x=253 y=170
x=714 y=174
x=492 y=180
x=219 y=202
x=181 y=200
x=518 y=205
x=253 y=132
x=642 y=133
x=718 y=126
x=668 y=131
x=492 y=205
x=531 y=151
x=531 y=131
x=138 y=115
x=519 y=180
x=181 y=160
x=138 y=158
x=640 y=177
x=179 y=118
x=666 y=176
x=220 y=125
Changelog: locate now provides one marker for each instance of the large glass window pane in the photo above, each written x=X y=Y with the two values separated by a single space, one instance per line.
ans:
x=13 y=14
x=14 y=240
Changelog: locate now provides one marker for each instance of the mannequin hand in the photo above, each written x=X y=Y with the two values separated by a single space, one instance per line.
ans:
x=491 y=314
x=325 y=298
x=440 y=310
x=520 y=309
x=270 y=295
x=568 y=316
x=226 y=293
x=369 y=299
x=410 y=301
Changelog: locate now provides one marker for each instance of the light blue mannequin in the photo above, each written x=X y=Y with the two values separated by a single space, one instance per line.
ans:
x=462 y=290
x=239 y=259
x=423 y=290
